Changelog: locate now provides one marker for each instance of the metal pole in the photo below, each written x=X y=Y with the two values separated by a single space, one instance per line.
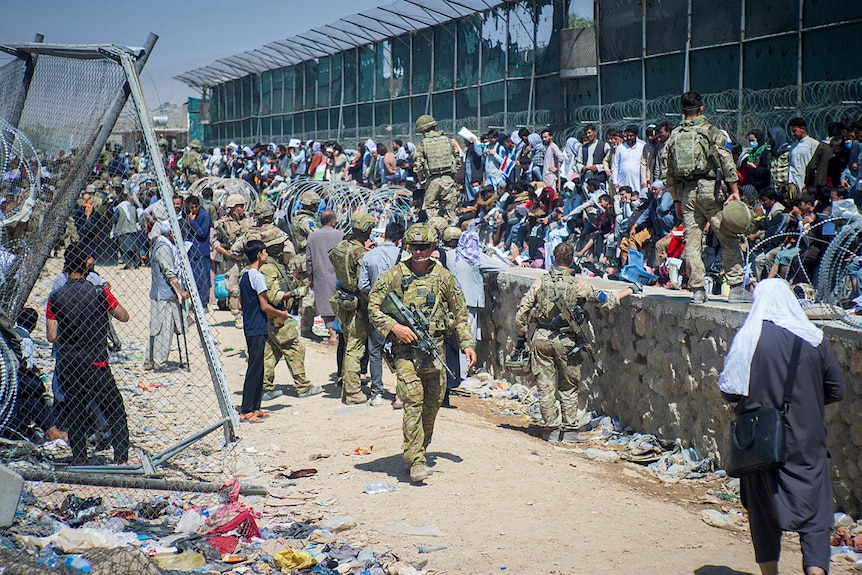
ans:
x=596 y=16
x=686 y=78
x=64 y=202
x=29 y=70
x=132 y=482
x=210 y=352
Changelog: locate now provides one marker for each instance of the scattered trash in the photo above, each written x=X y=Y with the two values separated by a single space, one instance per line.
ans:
x=186 y=560
x=360 y=451
x=293 y=559
x=405 y=529
x=376 y=487
x=732 y=520
x=300 y=473
x=432 y=548
x=340 y=523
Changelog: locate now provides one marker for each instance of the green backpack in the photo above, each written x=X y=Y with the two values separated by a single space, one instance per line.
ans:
x=691 y=151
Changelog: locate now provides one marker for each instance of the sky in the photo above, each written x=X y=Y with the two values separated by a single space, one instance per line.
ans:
x=191 y=33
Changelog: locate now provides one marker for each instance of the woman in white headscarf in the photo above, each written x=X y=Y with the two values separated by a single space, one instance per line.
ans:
x=798 y=495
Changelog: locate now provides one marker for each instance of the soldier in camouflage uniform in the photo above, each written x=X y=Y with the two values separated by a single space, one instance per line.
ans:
x=436 y=161
x=283 y=335
x=303 y=222
x=193 y=163
x=228 y=230
x=548 y=304
x=426 y=286
x=350 y=305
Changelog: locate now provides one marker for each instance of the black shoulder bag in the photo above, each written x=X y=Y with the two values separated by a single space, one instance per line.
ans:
x=757 y=441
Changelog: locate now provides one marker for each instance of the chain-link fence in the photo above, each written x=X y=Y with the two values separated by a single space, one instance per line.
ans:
x=120 y=378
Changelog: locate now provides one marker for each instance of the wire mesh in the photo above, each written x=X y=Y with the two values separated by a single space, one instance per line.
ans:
x=161 y=401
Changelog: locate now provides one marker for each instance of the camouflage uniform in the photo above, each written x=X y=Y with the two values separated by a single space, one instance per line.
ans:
x=228 y=231
x=702 y=200
x=345 y=258
x=421 y=381
x=193 y=165
x=437 y=160
x=283 y=337
x=304 y=222
x=557 y=373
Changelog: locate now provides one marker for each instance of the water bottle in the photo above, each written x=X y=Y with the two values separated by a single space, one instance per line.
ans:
x=77 y=564
x=48 y=562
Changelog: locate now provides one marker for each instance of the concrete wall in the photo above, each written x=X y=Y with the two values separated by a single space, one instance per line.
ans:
x=657 y=364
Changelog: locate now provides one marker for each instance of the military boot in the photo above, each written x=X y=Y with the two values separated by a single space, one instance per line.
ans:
x=419 y=473
x=551 y=435
x=354 y=398
x=738 y=294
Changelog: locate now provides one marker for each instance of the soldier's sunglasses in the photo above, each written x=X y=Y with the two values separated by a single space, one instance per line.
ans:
x=419 y=247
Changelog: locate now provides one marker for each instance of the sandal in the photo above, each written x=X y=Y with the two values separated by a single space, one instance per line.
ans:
x=250 y=418
x=261 y=413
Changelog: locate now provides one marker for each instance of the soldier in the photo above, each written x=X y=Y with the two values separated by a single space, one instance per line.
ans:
x=426 y=287
x=283 y=335
x=304 y=221
x=193 y=164
x=350 y=305
x=549 y=303
x=436 y=160
x=695 y=154
x=228 y=230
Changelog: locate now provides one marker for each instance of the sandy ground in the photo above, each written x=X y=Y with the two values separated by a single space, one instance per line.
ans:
x=503 y=499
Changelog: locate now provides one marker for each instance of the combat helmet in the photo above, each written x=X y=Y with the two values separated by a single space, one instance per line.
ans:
x=195 y=145
x=234 y=200
x=263 y=210
x=451 y=233
x=736 y=218
x=518 y=363
x=310 y=199
x=420 y=234
x=425 y=122
x=362 y=221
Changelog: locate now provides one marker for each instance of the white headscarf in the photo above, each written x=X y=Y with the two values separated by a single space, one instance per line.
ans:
x=773 y=301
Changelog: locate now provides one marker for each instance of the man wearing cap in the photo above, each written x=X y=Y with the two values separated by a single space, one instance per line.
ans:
x=660 y=217
x=436 y=160
x=350 y=304
x=283 y=334
x=228 y=230
x=166 y=293
x=304 y=222
x=426 y=287
x=692 y=170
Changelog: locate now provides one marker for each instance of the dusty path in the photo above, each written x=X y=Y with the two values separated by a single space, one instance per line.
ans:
x=504 y=500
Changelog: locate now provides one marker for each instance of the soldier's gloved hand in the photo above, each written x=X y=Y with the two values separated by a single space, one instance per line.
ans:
x=636 y=287
x=520 y=344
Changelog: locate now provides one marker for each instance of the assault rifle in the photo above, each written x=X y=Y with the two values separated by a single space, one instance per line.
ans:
x=415 y=320
x=565 y=323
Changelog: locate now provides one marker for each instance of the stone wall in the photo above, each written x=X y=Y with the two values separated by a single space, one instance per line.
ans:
x=657 y=363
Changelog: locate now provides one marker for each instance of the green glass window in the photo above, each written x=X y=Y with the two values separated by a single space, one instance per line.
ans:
x=348 y=117
x=322 y=116
x=334 y=120
x=419 y=106
x=664 y=75
x=311 y=67
x=266 y=128
x=769 y=63
x=278 y=91
x=401 y=111
x=365 y=115
x=549 y=17
x=299 y=87
x=367 y=58
x=715 y=69
x=666 y=24
x=493 y=99
x=494 y=46
x=713 y=22
x=548 y=93
x=444 y=57
x=308 y=119
x=622 y=81
x=382 y=69
x=351 y=77
x=773 y=17
x=382 y=115
x=518 y=95
x=289 y=89
x=468 y=53
x=467 y=103
x=266 y=93
x=248 y=132
x=286 y=126
x=442 y=104
x=323 y=82
x=335 y=79
x=298 y=127
x=254 y=101
x=522 y=34
x=400 y=82
x=421 y=61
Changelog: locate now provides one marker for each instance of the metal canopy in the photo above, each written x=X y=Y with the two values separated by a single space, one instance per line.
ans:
x=400 y=17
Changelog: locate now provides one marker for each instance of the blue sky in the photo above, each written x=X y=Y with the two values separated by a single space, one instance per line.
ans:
x=191 y=33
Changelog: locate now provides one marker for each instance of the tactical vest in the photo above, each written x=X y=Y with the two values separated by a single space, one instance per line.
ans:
x=300 y=235
x=438 y=155
x=340 y=258
x=233 y=230
x=423 y=293
x=551 y=297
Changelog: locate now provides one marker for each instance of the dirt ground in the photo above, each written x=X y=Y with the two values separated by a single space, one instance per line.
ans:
x=503 y=499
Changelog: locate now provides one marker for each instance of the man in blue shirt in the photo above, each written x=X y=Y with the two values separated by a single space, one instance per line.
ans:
x=383 y=257
x=661 y=216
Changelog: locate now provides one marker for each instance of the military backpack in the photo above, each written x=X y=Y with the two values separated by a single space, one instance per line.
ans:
x=690 y=151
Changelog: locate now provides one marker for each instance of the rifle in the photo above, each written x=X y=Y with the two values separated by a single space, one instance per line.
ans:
x=415 y=320
x=566 y=321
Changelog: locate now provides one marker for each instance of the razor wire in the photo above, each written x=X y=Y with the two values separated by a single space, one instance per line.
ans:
x=175 y=411
x=739 y=111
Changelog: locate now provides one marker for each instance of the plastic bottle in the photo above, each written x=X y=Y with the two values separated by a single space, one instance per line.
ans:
x=77 y=564
x=49 y=562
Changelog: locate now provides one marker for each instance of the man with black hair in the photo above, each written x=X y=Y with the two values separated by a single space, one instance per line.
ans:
x=379 y=259
x=77 y=318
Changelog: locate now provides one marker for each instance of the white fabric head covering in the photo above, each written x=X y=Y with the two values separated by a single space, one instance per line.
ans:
x=165 y=227
x=773 y=301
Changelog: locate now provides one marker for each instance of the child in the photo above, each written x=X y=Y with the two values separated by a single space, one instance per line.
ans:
x=255 y=309
x=30 y=405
